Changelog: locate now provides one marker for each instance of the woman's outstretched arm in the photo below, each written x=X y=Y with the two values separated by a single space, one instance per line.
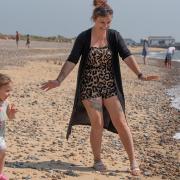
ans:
x=66 y=69
x=132 y=64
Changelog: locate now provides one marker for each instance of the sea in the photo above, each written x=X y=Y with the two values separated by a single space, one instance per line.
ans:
x=162 y=55
x=173 y=92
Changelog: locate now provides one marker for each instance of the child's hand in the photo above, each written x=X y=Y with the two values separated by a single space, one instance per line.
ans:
x=11 y=111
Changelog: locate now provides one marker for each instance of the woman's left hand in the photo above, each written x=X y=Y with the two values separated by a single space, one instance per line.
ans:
x=149 y=78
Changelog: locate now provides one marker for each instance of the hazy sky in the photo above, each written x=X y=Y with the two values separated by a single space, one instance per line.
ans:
x=132 y=18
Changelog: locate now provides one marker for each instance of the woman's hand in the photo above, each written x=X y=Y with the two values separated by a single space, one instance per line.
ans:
x=141 y=77
x=152 y=78
x=149 y=77
x=50 y=85
x=11 y=111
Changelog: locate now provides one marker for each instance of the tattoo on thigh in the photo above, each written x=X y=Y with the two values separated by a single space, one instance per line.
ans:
x=96 y=104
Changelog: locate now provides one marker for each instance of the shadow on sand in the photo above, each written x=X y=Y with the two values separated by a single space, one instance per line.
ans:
x=55 y=165
x=48 y=165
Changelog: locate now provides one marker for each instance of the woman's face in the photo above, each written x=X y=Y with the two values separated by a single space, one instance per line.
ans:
x=5 y=91
x=103 y=23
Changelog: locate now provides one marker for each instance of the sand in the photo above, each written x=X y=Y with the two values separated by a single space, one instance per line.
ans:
x=37 y=148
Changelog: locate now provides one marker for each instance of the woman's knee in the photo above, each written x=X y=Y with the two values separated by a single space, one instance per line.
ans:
x=97 y=124
x=119 y=122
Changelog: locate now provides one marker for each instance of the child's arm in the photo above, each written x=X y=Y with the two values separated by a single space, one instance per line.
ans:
x=11 y=111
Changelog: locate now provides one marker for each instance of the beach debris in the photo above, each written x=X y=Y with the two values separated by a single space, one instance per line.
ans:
x=177 y=136
x=71 y=173
x=27 y=177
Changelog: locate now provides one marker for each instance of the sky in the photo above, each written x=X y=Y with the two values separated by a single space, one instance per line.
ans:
x=134 y=19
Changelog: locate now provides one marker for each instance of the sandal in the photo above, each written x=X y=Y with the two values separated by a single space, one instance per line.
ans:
x=135 y=171
x=99 y=166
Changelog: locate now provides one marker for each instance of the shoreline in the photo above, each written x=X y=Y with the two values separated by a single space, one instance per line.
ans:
x=37 y=147
x=173 y=80
x=155 y=53
x=153 y=58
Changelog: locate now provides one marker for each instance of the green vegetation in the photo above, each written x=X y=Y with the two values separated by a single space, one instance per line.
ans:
x=58 y=38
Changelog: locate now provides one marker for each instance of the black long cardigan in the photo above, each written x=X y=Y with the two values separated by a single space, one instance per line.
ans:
x=81 y=49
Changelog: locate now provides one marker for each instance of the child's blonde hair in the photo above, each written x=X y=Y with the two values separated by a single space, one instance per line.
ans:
x=4 y=79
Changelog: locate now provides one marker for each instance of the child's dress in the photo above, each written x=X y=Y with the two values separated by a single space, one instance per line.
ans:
x=3 y=118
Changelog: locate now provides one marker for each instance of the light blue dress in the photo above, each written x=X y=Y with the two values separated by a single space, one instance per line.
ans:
x=3 y=118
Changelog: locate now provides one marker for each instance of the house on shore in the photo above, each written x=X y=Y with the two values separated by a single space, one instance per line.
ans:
x=177 y=45
x=130 y=42
x=161 y=41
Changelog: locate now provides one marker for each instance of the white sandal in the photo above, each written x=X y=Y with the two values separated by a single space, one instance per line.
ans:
x=135 y=171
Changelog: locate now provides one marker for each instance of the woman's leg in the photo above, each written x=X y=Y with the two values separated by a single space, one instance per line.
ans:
x=94 y=110
x=170 y=63
x=118 y=119
x=144 y=58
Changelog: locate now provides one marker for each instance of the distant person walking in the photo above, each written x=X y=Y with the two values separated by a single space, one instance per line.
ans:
x=28 y=41
x=145 y=50
x=17 y=38
x=169 y=54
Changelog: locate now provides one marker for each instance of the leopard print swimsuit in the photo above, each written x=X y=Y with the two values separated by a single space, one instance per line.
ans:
x=98 y=78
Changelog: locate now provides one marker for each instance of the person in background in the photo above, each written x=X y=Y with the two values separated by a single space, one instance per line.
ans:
x=28 y=41
x=17 y=38
x=7 y=111
x=169 y=54
x=99 y=99
x=145 y=50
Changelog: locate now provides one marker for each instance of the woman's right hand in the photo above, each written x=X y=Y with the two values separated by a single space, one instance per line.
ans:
x=50 y=85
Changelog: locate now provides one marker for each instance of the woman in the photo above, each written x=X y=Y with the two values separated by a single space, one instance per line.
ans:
x=145 y=50
x=28 y=40
x=17 y=38
x=99 y=99
x=169 y=54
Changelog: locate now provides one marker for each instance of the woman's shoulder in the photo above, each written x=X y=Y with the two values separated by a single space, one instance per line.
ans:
x=114 y=35
x=85 y=33
x=113 y=31
x=84 y=36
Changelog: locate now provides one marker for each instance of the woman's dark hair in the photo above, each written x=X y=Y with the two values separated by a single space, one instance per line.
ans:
x=4 y=79
x=101 y=9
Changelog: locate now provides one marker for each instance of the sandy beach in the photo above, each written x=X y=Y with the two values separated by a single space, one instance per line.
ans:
x=37 y=147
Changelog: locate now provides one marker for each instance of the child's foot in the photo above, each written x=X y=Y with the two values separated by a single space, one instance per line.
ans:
x=99 y=166
x=3 y=177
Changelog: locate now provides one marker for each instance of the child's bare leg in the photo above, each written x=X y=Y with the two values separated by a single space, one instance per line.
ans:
x=2 y=159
